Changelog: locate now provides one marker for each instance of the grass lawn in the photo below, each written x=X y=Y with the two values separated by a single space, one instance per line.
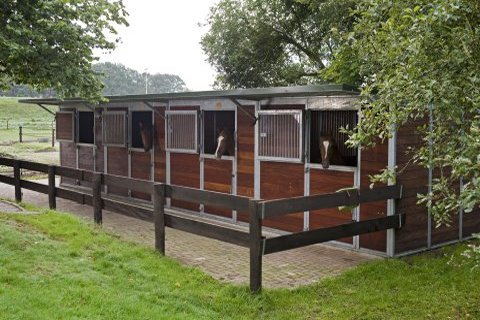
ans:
x=55 y=266
x=37 y=124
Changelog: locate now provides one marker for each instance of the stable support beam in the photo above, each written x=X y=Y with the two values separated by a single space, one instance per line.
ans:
x=17 y=181
x=255 y=248
x=52 y=191
x=158 y=198
x=97 y=198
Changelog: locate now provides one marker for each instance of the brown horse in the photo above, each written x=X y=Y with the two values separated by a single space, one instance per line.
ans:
x=225 y=144
x=329 y=152
x=146 y=135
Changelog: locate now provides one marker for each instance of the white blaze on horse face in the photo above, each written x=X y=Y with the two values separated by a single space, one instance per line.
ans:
x=326 y=144
x=220 y=140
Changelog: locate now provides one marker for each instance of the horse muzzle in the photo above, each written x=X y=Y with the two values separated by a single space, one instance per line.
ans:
x=325 y=164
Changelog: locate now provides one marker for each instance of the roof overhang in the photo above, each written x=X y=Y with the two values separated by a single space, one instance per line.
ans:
x=255 y=94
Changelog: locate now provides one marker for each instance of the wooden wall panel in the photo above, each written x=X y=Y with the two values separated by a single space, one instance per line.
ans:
x=245 y=156
x=117 y=164
x=68 y=158
x=159 y=143
x=372 y=161
x=218 y=177
x=471 y=223
x=99 y=153
x=282 y=180
x=185 y=171
x=85 y=161
x=64 y=126
x=414 y=234
x=327 y=181
x=140 y=169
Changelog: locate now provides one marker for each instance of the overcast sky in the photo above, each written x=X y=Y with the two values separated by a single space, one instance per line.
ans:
x=164 y=37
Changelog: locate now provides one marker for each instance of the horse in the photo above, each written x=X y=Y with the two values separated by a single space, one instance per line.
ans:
x=329 y=152
x=225 y=144
x=146 y=135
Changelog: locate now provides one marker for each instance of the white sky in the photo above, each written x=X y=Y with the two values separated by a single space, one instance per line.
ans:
x=164 y=37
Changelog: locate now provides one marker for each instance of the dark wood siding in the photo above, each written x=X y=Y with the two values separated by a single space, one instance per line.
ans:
x=218 y=177
x=85 y=161
x=372 y=161
x=471 y=223
x=64 y=126
x=185 y=171
x=326 y=181
x=414 y=234
x=117 y=159
x=140 y=169
x=245 y=155
x=68 y=158
x=99 y=154
x=159 y=143
x=282 y=180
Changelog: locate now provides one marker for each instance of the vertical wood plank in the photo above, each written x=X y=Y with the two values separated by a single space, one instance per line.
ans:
x=97 y=198
x=17 y=177
x=52 y=200
x=158 y=197
x=255 y=248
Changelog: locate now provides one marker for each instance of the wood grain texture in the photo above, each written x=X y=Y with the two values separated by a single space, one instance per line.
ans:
x=68 y=158
x=326 y=181
x=99 y=153
x=282 y=180
x=415 y=180
x=218 y=177
x=185 y=171
x=140 y=164
x=117 y=164
x=64 y=126
x=159 y=144
x=372 y=161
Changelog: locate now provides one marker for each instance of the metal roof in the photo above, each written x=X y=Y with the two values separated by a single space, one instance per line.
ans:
x=254 y=94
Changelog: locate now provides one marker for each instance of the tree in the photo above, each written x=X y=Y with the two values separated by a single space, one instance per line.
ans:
x=413 y=58
x=50 y=43
x=120 y=80
x=258 y=43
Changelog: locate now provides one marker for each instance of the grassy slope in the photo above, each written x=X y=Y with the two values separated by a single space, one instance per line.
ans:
x=36 y=122
x=56 y=266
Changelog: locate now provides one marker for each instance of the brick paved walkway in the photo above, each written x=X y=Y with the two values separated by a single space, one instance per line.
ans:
x=223 y=261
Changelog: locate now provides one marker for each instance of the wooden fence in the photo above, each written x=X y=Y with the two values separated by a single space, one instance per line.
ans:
x=258 y=209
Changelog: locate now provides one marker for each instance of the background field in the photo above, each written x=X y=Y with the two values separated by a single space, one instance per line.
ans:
x=37 y=127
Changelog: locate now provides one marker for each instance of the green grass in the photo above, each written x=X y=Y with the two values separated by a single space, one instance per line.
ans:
x=55 y=266
x=36 y=123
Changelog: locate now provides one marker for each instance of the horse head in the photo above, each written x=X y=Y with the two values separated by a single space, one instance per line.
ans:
x=146 y=135
x=327 y=148
x=225 y=144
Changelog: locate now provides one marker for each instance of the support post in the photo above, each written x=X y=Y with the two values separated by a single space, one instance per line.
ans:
x=97 y=198
x=255 y=248
x=52 y=200
x=158 y=197
x=53 y=137
x=17 y=177
x=20 y=138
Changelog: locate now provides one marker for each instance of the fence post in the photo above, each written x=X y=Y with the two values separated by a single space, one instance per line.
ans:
x=97 y=197
x=20 y=134
x=255 y=247
x=158 y=197
x=53 y=137
x=17 y=177
x=52 y=191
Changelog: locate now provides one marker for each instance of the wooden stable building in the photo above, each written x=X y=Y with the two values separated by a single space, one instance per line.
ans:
x=276 y=138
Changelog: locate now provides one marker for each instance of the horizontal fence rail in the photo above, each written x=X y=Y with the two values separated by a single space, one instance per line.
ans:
x=258 y=210
x=275 y=208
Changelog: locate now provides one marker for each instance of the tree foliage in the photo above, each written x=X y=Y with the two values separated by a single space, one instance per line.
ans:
x=415 y=57
x=120 y=80
x=259 y=43
x=50 y=43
